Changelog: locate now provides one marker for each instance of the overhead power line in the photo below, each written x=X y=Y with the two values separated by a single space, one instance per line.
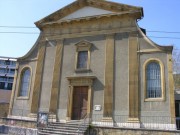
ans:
x=163 y=32
x=19 y=32
x=151 y=36
x=31 y=27
x=18 y=27
x=164 y=37
x=54 y=34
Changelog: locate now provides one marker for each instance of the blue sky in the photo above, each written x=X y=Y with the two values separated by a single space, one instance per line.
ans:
x=159 y=15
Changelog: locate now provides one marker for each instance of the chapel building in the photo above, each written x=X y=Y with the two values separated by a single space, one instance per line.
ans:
x=93 y=60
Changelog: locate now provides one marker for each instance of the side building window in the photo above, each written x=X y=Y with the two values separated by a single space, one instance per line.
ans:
x=82 y=56
x=154 y=80
x=24 y=82
x=177 y=108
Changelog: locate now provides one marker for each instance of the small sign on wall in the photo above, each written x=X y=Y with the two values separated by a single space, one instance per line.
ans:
x=97 y=107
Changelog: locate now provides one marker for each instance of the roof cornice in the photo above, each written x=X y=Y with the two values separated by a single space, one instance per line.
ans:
x=106 y=5
x=91 y=17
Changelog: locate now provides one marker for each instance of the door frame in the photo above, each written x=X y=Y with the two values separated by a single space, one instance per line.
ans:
x=79 y=81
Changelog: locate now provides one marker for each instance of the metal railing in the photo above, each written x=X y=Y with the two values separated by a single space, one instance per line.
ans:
x=146 y=122
x=119 y=121
x=84 y=124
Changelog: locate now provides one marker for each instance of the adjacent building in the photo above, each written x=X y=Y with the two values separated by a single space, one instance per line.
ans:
x=177 y=97
x=7 y=71
x=93 y=60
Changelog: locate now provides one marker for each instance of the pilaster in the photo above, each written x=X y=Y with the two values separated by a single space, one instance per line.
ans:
x=69 y=104
x=171 y=88
x=38 y=78
x=133 y=79
x=56 y=78
x=109 y=79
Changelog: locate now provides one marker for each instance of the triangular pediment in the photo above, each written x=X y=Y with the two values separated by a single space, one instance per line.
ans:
x=86 y=12
x=89 y=8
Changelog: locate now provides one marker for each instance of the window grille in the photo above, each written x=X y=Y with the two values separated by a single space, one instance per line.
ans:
x=153 y=80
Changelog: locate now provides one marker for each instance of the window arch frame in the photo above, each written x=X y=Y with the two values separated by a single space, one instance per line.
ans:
x=20 y=82
x=162 y=77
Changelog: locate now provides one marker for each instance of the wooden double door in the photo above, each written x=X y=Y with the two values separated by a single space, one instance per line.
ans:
x=80 y=101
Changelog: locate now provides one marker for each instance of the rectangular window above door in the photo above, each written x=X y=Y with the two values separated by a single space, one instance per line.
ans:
x=82 y=60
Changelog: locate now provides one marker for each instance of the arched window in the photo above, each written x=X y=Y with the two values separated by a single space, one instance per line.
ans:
x=153 y=80
x=25 y=81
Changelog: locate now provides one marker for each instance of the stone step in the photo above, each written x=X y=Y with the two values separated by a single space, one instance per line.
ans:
x=60 y=125
x=42 y=133
x=68 y=124
x=74 y=122
x=66 y=131
x=63 y=129
x=61 y=132
x=69 y=128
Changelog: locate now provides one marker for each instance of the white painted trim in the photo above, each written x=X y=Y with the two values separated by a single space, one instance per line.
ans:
x=103 y=124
